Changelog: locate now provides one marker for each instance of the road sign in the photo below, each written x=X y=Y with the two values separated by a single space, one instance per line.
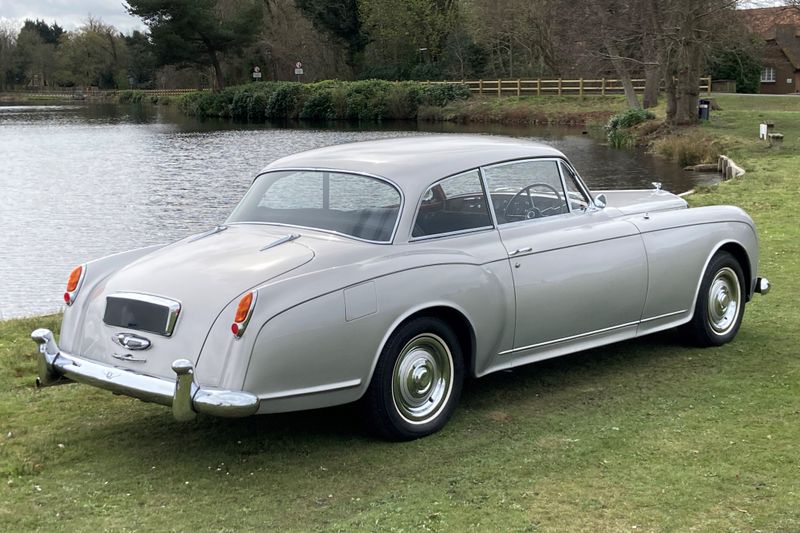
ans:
x=256 y=73
x=298 y=65
x=298 y=71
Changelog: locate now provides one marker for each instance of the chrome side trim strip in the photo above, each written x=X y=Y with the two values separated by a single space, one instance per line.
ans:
x=665 y=315
x=312 y=390
x=572 y=337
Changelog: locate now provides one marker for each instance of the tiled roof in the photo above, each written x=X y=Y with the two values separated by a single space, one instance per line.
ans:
x=763 y=20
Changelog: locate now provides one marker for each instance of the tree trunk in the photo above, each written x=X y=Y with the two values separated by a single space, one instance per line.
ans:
x=622 y=73
x=650 y=45
x=217 y=70
x=652 y=76
x=687 y=89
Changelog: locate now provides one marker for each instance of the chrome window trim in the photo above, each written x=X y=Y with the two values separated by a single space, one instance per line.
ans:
x=554 y=159
x=174 y=307
x=452 y=234
x=492 y=226
x=579 y=180
x=337 y=171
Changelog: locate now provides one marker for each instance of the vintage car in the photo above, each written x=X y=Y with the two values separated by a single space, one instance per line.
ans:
x=387 y=272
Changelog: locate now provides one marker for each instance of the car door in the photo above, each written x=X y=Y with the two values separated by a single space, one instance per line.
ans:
x=579 y=273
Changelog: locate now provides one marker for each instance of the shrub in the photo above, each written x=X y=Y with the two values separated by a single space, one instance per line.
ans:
x=629 y=118
x=618 y=127
x=688 y=149
x=285 y=101
x=325 y=100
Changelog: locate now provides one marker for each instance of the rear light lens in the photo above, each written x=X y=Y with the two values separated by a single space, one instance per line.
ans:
x=243 y=313
x=74 y=284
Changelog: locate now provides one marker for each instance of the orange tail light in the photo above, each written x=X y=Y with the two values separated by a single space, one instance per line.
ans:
x=243 y=312
x=73 y=284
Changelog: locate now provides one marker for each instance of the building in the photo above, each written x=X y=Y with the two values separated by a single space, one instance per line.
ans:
x=780 y=29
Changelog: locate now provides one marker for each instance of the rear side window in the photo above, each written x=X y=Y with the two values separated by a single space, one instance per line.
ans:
x=453 y=205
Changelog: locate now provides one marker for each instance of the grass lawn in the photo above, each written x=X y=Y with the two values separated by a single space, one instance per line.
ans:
x=644 y=435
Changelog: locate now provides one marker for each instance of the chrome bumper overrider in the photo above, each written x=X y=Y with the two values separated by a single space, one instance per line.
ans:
x=184 y=396
x=762 y=286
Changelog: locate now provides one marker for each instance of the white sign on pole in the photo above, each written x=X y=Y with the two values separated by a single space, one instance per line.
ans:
x=256 y=73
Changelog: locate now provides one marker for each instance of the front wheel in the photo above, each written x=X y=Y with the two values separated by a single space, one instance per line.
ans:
x=417 y=382
x=720 y=303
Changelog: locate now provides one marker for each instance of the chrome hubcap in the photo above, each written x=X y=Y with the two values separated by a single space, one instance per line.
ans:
x=422 y=379
x=723 y=301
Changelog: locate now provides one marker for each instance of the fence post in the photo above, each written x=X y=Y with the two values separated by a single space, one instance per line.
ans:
x=480 y=87
x=499 y=87
x=560 y=87
x=603 y=87
x=519 y=87
x=538 y=86
x=580 y=88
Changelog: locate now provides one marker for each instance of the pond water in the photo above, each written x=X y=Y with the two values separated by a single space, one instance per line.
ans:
x=83 y=181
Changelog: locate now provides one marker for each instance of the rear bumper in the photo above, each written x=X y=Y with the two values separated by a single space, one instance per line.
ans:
x=182 y=394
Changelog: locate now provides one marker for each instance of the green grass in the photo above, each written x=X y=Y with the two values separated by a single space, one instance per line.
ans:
x=648 y=433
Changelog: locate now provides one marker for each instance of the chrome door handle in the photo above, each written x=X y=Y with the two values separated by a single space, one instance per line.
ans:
x=520 y=251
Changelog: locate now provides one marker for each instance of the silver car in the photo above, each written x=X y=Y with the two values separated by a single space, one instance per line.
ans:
x=386 y=272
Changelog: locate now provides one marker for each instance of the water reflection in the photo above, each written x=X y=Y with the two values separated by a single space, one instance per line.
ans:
x=82 y=181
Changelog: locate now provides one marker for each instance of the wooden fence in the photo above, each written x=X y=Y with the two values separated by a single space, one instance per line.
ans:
x=559 y=87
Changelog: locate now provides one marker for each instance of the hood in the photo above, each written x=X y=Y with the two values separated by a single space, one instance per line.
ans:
x=643 y=201
x=204 y=273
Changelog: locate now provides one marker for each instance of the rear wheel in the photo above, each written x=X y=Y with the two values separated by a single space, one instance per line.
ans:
x=417 y=382
x=720 y=304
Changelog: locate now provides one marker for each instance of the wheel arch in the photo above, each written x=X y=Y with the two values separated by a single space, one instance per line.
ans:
x=452 y=315
x=738 y=251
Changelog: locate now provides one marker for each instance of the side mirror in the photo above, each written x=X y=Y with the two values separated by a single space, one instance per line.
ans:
x=600 y=201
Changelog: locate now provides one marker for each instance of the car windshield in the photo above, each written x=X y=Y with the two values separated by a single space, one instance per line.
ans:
x=355 y=205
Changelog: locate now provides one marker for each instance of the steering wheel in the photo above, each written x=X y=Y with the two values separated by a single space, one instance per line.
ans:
x=533 y=212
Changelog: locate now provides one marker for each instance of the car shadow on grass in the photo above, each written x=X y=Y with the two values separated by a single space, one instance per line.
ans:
x=341 y=427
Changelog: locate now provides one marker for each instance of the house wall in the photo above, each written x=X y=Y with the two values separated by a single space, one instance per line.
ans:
x=774 y=57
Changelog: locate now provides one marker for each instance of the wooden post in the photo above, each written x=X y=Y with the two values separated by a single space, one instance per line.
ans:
x=480 y=87
x=580 y=88
x=539 y=87
x=560 y=87
x=499 y=87
x=603 y=88
x=519 y=87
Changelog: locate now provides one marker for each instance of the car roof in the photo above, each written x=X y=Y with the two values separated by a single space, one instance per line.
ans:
x=415 y=162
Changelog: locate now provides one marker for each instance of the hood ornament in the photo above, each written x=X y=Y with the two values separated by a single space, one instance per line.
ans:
x=656 y=185
x=131 y=341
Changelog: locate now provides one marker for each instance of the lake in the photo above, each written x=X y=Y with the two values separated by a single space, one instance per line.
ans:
x=79 y=182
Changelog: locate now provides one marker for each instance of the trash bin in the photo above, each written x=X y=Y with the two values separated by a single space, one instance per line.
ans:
x=704 y=109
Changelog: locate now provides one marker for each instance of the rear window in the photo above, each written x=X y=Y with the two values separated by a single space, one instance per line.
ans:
x=351 y=204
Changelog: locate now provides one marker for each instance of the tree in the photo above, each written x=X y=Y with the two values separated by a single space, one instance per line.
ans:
x=141 y=59
x=35 y=58
x=198 y=32
x=95 y=54
x=8 y=47
x=739 y=61
x=341 y=20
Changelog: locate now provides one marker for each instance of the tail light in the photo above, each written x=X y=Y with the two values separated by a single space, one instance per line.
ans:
x=243 y=313
x=74 y=283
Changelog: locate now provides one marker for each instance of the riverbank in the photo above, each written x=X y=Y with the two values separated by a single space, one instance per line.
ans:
x=648 y=434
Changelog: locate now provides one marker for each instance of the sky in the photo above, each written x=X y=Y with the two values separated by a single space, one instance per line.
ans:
x=69 y=14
